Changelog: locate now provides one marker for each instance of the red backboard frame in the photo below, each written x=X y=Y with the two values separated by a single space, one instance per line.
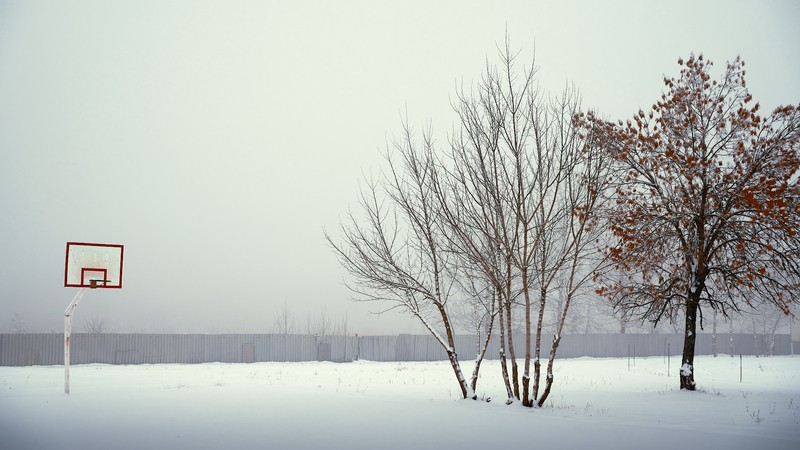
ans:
x=85 y=261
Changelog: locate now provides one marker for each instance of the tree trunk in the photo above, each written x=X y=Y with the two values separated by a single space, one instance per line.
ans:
x=687 y=368
x=549 y=383
x=537 y=365
x=510 y=334
x=526 y=374
x=503 y=364
x=482 y=353
x=466 y=392
x=714 y=335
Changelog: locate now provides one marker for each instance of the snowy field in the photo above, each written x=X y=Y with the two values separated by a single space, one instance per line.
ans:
x=596 y=404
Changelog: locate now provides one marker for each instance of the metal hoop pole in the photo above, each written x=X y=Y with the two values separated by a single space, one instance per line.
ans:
x=67 y=332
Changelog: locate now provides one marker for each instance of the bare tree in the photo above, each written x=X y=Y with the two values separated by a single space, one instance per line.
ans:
x=397 y=253
x=581 y=227
x=341 y=328
x=519 y=200
x=17 y=325
x=324 y=324
x=284 y=321
x=478 y=312
x=488 y=198
x=765 y=323
x=96 y=325
x=310 y=326
x=506 y=211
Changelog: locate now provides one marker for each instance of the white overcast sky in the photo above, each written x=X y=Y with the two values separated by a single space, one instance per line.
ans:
x=216 y=139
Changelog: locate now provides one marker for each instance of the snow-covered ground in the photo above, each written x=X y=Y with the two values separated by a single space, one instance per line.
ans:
x=596 y=403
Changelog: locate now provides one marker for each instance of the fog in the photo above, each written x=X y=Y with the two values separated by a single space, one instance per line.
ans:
x=216 y=140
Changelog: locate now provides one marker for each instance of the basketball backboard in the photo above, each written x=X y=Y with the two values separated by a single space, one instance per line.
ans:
x=93 y=265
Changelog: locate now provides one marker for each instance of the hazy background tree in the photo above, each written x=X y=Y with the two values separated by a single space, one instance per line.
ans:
x=17 y=325
x=764 y=325
x=284 y=321
x=96 y=325
x=477 y=312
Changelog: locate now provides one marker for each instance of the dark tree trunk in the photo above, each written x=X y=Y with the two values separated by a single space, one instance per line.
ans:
x=690 y=336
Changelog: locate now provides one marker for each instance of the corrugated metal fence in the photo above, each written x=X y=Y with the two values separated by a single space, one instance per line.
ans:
x=48 y=349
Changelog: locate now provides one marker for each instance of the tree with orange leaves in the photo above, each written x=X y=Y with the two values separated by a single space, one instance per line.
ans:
x=707 y=203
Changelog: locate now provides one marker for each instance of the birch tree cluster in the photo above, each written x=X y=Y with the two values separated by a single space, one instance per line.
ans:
x=498 y=227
